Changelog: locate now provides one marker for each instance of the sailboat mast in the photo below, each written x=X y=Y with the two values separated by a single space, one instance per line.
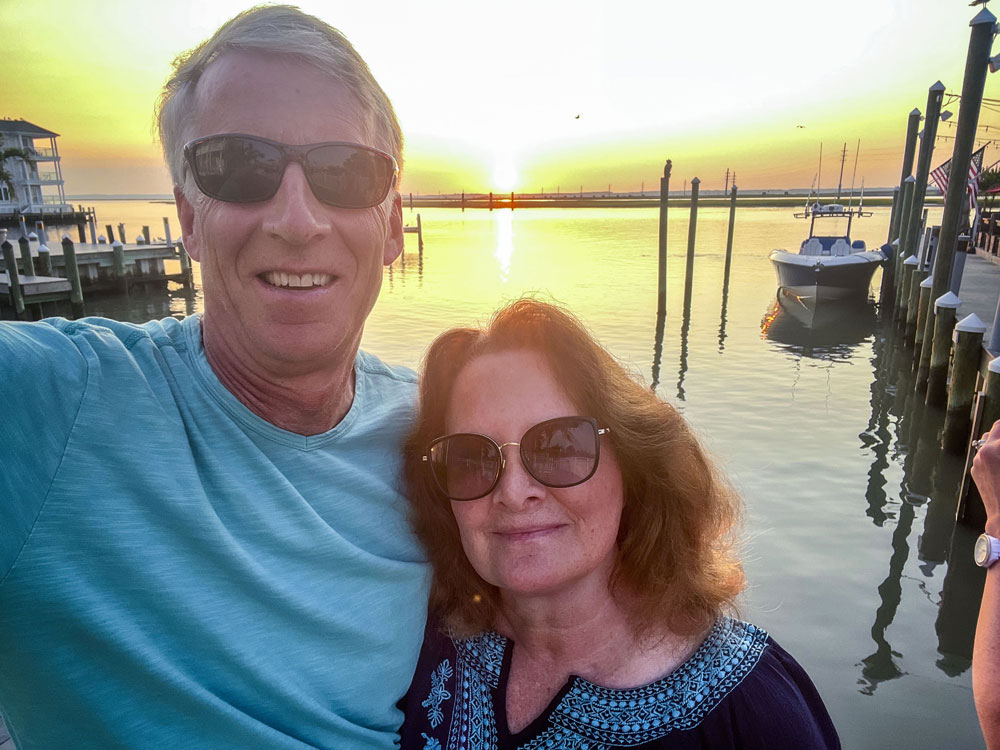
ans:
x=840 y=181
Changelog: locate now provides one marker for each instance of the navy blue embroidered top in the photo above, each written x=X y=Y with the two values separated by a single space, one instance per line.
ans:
x=740 y=689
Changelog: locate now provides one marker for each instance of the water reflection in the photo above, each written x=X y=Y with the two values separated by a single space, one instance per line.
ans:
x=504 y=252
x=685 y=329
x=928 y=484
x=803 y=328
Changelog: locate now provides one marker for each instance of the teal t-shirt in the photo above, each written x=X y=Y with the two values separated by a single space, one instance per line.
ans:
x=177 y=572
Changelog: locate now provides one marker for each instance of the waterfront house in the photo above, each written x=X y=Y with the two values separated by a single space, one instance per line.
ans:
x=38 y=189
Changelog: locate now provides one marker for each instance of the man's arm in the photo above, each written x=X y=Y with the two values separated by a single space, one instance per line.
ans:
x=42 y=380
x=986 y=654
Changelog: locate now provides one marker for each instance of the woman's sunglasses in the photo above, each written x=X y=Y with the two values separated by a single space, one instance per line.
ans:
x=238 y=168
x=560 y=452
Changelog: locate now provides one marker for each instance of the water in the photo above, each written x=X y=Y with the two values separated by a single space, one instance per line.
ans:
x=849 y=548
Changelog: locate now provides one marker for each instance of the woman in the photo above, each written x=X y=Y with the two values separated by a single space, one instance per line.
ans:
x=582 y=552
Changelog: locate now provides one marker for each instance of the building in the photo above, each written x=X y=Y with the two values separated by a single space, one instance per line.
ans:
x=38 y=189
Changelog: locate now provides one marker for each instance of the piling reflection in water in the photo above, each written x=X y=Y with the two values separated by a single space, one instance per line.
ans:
x=929 y=483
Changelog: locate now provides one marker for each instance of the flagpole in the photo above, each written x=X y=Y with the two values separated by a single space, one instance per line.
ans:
x=976 y=66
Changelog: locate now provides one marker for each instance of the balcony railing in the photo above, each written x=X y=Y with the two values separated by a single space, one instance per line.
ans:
x=46 y=153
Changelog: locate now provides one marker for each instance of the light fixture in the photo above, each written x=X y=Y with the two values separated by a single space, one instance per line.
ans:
x=946 y=115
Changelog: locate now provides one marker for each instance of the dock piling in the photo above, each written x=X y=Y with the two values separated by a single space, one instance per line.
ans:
x=729 y=238
x=185 y=267
x=118 y=269
x=93 y=229
x=923 y=305
x=420 y=234
x=945 y=310
x=73 y=274
x=121 y=234
x=44 y=261
x=166 y=230
x=968 y=351
x=661 y=287
x=145 y=234
x=692 y=230
x=27 y=264
x=13 y=279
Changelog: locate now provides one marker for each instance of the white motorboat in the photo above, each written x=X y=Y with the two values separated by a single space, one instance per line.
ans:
x=828 y=265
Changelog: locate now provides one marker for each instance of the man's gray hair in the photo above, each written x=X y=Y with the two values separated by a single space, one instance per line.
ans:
x=286 y=32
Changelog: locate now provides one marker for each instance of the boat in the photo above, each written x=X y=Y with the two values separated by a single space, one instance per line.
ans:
x=828 y=265
x=825 y=331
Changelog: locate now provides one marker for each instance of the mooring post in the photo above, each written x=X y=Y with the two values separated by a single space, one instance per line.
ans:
x=185 y=267
x=923 y=305
x=24 y=225
x=111 y=233
x=44 y=261
x=910 y=232
x=42 y=232
x=13 y=279
x=909 y=149
x=904 y=292
x=121 y=234
x=907 y=203
x=945 y=313
x=894 y=211
x=958 y=263
x=118 y=268
x=970 y=508
x=491 y=200
x=27 y=264
x=661 y=286
x=968 y=353
x=73 y=274
x=81 y=230
x=463 y=201
x=692 y=231
x=166 y=231
x=917 y=277
x=729 y=238
x=93 y=229
x=145 y=233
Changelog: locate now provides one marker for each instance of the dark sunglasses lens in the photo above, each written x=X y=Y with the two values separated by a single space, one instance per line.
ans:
x=464 y=466
x=235 y=169
x=348 y=176
x=561 y=452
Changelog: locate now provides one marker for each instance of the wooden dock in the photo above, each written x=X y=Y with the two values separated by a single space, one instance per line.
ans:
x=89 y=268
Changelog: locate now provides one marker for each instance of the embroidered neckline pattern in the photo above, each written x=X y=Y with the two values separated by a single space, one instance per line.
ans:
x=438 y=693
x=595 y=717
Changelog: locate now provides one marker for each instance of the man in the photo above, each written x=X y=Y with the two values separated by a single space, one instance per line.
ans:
x=201 y=539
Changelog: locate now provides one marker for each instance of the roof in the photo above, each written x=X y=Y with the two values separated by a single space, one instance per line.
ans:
x=23 y=127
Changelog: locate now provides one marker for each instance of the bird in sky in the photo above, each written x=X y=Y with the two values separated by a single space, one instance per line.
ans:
x=978 y=2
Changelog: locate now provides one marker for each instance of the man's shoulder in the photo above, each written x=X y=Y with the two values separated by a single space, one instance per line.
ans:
x=56 y=332
x=372 y=365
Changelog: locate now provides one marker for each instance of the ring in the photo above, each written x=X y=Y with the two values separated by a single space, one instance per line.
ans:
x=977 y=444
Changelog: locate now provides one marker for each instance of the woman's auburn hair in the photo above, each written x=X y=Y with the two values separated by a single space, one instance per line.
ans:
x=676 y=566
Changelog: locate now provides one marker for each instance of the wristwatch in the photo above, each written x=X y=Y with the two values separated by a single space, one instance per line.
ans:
x=987 y=550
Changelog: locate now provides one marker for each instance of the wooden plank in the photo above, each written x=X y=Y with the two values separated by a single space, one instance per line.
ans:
x=32 y=286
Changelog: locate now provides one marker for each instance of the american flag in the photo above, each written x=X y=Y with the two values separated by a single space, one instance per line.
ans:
x=940 y=176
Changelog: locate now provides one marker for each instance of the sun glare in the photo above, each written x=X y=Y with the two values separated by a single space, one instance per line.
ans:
x=504 y=174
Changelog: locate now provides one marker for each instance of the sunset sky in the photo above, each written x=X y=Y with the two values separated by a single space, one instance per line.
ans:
x=489 y=94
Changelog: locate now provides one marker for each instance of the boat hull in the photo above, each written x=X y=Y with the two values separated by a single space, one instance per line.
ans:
x=826 y=277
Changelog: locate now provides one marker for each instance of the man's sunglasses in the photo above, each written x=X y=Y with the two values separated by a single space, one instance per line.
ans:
x=238 y=168
x=560 y=452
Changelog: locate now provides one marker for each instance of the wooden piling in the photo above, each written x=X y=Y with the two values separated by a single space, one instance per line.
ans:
x=44 y=265
x=13 y=279
x=909 y=150
x=923 y=305
x=661 y=287
x=970 y=504
x=93 y=229
x=907 y=204
x=463 y=201
x=73 y=274
x=945 y=309
x=968 y=351
x=692 y=230
x=145 y=234
x=420 y=234
x=81 y=230
x=729 y=238
x=491 y=200
x=118 y=268
x=166 y=230
x=27 y=264
x=903 y=303
x=913 y=303
x=121 y=234
x=185 y=267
